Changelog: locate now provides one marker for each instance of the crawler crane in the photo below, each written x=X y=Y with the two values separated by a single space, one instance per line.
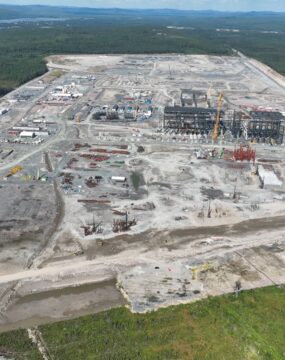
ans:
x=218 y=117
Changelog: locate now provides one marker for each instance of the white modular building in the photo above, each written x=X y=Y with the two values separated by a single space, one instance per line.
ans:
x=27 y=134
x=118 y=178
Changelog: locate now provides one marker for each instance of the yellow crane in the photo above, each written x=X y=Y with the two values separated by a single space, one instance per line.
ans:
x=218 y=117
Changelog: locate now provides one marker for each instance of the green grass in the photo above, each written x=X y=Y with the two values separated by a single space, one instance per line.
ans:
x=251 y=326
x=248 y=327
x=136 y=180
x=17 y=345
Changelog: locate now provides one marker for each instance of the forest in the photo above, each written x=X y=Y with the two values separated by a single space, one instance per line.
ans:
x=47 y=30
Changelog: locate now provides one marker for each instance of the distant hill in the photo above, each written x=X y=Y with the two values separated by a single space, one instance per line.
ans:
x=24 y=46
x=38 y=11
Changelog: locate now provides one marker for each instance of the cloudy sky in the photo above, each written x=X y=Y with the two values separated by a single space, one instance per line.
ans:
x=236 y=5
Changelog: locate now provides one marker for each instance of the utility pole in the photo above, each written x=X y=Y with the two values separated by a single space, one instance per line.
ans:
x=209 y=210
x=235 y=194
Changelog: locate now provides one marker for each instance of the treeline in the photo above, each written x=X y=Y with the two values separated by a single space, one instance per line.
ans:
x=24 y=47
x=22 y=50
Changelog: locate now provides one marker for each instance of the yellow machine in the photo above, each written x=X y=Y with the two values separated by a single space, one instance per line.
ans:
x=14 y=170
x=218 y=117
x=197 y=269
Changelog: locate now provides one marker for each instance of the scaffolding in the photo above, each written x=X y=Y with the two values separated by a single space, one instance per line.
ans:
x=265 y=125
x=259 y=126
x=192 y=119
x=124 y=224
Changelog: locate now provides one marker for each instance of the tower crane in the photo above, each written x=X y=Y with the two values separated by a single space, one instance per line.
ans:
x=218 y=117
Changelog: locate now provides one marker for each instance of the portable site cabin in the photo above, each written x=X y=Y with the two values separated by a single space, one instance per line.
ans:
x=27 y=134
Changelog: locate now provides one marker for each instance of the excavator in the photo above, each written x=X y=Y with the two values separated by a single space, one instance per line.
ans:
x=218 y=117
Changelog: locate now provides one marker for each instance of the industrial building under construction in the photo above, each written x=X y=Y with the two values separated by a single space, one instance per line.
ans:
x=257 y=126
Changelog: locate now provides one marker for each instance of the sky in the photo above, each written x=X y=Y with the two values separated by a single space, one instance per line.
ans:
x=223 y=5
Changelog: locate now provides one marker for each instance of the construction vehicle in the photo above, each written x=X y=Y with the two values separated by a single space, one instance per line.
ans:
x=196 y=270
x=218 y=117
x=14 y=171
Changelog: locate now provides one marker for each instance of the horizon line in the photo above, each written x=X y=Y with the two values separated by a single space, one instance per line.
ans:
x=146 y=9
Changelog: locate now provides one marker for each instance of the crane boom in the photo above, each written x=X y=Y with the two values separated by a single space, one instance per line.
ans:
x=218 y=117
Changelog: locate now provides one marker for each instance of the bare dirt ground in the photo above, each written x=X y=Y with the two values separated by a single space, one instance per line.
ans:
x=27 y=215
x=176 y=252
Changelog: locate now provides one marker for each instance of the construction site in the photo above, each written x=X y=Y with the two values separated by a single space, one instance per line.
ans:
x=143 y=180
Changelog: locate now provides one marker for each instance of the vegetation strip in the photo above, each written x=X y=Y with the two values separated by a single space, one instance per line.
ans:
x=231 y=327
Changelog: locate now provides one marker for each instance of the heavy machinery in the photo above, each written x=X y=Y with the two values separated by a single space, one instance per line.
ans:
x=196 y=270
x=218 y=117
x=14 y=171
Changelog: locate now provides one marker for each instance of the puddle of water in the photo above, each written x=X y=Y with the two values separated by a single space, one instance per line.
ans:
x=62 y=304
